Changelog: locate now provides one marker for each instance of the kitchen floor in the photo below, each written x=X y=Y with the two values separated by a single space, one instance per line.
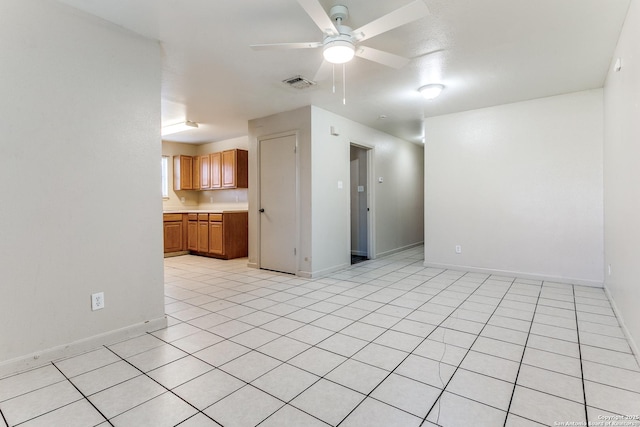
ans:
x=386 y=342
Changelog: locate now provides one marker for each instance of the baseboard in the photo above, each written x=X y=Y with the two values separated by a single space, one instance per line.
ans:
x=396 y=250
x=634 y=346
x=172 y=254
x=519 y=274
x=322 y=273
x=252 y=265
x=44 y=357
x=359 y=253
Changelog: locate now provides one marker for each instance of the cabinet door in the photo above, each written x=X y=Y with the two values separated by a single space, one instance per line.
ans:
x=182 y=173
x=196 y=173
x=203 y=236
x=172 y=236
x=205 y=172
x=216 y=241
x=229 y=169
x=235 y=169
x=192 y=236
x=216 y=170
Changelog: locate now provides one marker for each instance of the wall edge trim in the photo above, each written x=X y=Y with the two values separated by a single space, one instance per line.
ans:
x=632 y=343
x=46 y=356
x=519 y=274
x=400 y=249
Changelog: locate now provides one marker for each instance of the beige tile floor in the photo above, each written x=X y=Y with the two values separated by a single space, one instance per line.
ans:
x=386 y=342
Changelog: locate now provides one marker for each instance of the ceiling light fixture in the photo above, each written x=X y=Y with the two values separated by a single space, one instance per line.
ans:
x=431 y=91
x=179 y=127
x=338 y=50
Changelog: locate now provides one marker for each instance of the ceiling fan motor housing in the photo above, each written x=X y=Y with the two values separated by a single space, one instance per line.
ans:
x=339 y=12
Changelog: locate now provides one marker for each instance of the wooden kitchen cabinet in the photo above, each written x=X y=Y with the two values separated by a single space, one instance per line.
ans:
x=235 y=235
x=235 y=169
x=215 y=171
x=216 y=235
x=204 y=172
x=219 y=235
x=196 y=173
x=182 y=172
x=173 y=233
x=203 y=232
x=215 y=160
x=192 y=232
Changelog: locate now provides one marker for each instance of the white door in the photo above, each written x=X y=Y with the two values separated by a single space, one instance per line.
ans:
x=359 y=202
x=278 y=230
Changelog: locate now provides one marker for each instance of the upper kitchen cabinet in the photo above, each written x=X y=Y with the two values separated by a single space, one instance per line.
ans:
x=204 y=172
x=235 y=169
x=182 y=172
x=216 y=170
x=197 y=173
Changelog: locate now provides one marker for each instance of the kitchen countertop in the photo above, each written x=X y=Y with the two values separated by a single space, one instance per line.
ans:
x=204 y=210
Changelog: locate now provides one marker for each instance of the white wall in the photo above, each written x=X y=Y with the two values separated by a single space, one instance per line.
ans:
x=299 y=121
x=622 y=175
x=398 y=213
x=519 y=187
x=79 y=173
x=324 y=208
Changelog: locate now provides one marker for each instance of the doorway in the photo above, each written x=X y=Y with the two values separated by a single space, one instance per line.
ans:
x=359 y=189
x=278 y=200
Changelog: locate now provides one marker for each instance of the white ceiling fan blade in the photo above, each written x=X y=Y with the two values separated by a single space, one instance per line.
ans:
x=315 y=10
x=409 y=13
x=284 y=46
x=323 y=71
x=382 y=57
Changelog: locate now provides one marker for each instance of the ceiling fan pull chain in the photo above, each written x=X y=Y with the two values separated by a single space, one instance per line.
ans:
x=344 y=84
x=333 y=69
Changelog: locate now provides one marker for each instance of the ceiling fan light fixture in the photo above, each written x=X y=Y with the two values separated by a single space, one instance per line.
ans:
x=431 y=91
x=179 y=127
x=339 y=51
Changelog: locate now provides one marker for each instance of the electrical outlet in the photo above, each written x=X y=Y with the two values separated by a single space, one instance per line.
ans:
x=97 y=301
x=458 y=249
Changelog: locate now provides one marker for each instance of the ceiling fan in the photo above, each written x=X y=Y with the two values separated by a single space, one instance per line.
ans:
x=340 y=43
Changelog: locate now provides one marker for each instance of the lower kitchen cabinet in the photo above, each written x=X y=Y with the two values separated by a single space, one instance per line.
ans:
x=203 y=232
x=192 y=232
x=216 y=237
x=174 y=240
x=219 y=235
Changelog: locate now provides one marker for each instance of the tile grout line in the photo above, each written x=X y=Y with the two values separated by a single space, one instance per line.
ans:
x=417 y=345
x=161 y=385
x=584 y=391
x=423 y=339
x=311 y=346
x=346 y=358
x=82 y=394
x=315 y=346
x=437 y=400
x=515 y=381
x=4 y=418
x=361 y=298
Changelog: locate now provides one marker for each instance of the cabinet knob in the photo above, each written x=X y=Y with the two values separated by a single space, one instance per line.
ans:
x=261 y=210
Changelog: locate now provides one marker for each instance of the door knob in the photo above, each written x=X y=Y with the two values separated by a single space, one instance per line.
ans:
x=261 y=210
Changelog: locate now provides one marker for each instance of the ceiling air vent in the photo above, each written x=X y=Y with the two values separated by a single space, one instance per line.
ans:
x=298 y=82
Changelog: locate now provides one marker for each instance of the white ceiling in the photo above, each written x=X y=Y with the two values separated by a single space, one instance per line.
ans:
x=486 y=52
